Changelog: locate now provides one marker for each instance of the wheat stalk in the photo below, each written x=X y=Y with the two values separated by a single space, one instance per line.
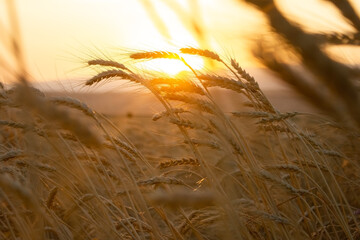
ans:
x=155 y=55
x=73 y=103
x=179 y=162
x=167 y=113
x=192 y=125
x=160 y=180
x=110 y=74
x=11 y=154
x=218 y=81
x=200 y=52
x=107 y=63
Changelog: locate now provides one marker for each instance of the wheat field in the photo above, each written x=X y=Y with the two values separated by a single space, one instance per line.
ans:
x=193 y=170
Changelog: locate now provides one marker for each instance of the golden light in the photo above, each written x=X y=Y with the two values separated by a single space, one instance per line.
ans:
x=171 y=66
x=178 y=37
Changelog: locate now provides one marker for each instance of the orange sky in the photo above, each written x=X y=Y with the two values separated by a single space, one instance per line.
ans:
x=59 y=36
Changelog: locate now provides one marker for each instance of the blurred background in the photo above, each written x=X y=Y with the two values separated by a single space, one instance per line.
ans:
x=57 y=37
x=52 y=40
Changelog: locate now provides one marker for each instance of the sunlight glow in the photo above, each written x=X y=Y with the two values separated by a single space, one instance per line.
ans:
x=172 y=67
x=57 y=43
x=179 y=37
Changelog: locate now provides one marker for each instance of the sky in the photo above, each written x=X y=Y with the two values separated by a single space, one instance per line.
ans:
x=59 y=36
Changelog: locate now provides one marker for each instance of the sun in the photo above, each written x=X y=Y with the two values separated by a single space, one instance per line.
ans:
x=178 y=36
x=172 y=67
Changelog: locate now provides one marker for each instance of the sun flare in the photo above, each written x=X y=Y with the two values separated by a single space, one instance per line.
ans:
x=172 y=67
